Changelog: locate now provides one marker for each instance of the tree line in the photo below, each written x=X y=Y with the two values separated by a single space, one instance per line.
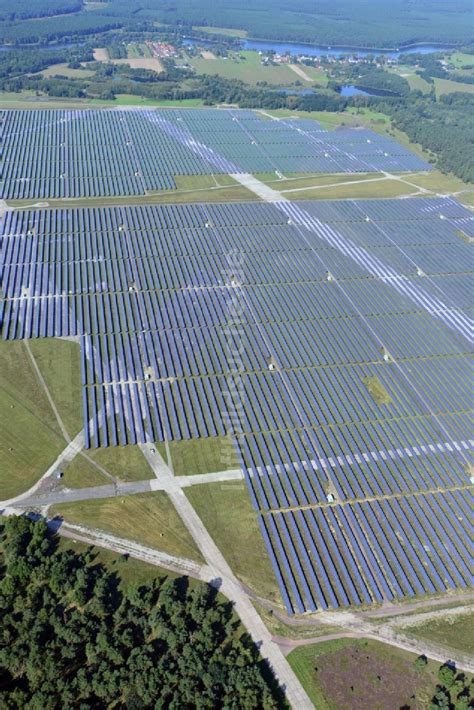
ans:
x=71 y=638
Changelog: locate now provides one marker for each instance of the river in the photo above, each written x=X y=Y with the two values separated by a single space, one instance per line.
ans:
x=311 y=50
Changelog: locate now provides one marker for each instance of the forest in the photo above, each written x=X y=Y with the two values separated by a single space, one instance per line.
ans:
x=367 y=23
x=444 y=127
x=70 y=637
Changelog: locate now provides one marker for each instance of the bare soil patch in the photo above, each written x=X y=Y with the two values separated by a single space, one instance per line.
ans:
x=206 y=54
x=301 y=72
x=101 y=54
x=358 y=677
x=141 y=63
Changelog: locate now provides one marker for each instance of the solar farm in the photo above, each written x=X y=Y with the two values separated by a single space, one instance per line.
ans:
x=330 y=338
x=95 y=153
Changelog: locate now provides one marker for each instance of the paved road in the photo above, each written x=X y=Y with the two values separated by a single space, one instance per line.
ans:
x=41 y=495
x=233 y=590
x=258 y=187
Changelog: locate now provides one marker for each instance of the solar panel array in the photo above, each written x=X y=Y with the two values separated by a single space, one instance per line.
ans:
x=91 y=153
x=333 y=339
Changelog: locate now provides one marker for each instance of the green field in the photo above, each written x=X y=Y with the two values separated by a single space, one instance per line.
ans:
x=220 y=31
x=355 y=189
x=226 y=511
x=446 y=86
x=194 y=456
x=349 y=674
x=59 y=363
x=460 y=59
x=293 y=183
x=149 y=519
x=246 y=66
x=456 y=632
x=126 y=463
x=64 y=70
x=30 y=438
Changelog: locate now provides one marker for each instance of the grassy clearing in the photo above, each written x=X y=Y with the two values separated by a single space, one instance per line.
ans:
x=246 y=66
x=59 y=363
x=361 y=674
x=377 y=390
x=467 y=198
x=30 y=439
x=322 y=180
x=148 y=518
x=231 y=31
x=461 y=59
x=447 y=86
x=202 y=182
x=202 y=456
x=80 y=473
x=439 y=182
x=455 y=631
x=380 y=188
x=231 y=193
x=126 y=463
x=418 y=83
x=227 y=513
x=62 y=69
x=318 y=76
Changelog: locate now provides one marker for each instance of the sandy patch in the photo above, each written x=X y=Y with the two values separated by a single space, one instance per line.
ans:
x=101 y=54
x=206 y=54
x=141 y=63
x=301 y=73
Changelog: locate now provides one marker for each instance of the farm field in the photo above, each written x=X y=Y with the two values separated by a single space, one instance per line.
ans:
x=246 y=66
x=149 y=519
x=369 y=674
x=447 y=86
x=64 y=70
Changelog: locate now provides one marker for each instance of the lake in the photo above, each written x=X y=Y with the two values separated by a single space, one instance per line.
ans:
x=311 y=50
x=351 y=90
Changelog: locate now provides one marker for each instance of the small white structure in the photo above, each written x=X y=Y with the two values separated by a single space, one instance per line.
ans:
x=329 y=276
x=271 y=363
x=330 y=498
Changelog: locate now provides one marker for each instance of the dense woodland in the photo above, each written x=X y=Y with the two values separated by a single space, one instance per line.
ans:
x=70 y=638
x=443 y=127
x=365 y=23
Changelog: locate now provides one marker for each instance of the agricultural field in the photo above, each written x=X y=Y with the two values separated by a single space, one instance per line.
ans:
x=246 y=66
x=447 y=86
x=79 y=154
